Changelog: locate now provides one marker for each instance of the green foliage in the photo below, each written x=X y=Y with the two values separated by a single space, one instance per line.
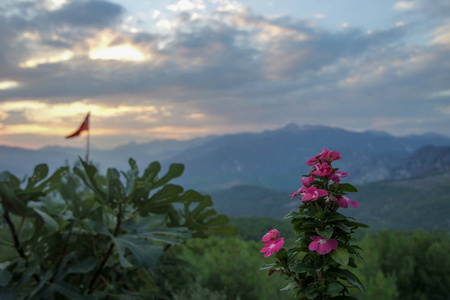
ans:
x=229 y=266
x=250 y=228
x=406 y=265
x=109 y=237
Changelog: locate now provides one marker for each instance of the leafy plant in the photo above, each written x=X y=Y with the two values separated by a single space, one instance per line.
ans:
x=83 y=235
x=318 y=265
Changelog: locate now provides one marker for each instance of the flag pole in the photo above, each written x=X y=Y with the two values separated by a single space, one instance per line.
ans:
x=84 y=127
x=88 y=138
x=87 y=145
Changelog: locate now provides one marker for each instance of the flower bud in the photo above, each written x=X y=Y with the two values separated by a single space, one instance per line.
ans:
x=319 y=274
x=330 y=198
x=335 y=186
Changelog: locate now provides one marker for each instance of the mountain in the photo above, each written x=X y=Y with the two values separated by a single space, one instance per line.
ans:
x=21 y=161
x=410 y=204
x=277 y=159
x=272 y=159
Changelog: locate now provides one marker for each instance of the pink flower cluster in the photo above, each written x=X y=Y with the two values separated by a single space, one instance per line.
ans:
x=322 y=168
x=272 y=242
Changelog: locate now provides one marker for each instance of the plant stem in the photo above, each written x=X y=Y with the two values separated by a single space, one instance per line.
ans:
x=17 y=245
x=63 y=253
x=108 y=254
x=14 y=234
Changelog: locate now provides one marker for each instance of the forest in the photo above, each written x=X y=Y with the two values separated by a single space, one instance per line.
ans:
x=78 y=234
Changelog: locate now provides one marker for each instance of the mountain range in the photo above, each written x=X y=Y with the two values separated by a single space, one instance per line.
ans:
x=273 y=159
x=403 y=181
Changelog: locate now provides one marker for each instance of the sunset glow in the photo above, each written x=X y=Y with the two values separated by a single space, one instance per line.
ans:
x=191 y=68
x=4 y=85
x=124 y=52
x=34 y=62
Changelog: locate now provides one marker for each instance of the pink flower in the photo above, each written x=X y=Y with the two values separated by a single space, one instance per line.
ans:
x=336 y=176
x=325 y=156
x=272 y=242
x=323 y=170
x=313 y=193
x=272 y=247
x=345 y=201
x=297 y=192
x=272 y=235
x=313 y=160
x=322 y=245
x=307 y=182
x=329 y=156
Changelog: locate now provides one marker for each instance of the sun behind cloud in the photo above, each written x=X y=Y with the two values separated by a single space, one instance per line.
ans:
x=122 y=52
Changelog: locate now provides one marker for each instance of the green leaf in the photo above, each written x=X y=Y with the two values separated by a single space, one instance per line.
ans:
x=168 y=194
x=151 y=171
x=167 y=235
x=267 y=266
x=301 y=268
x=10 y=178
x=11 y=201
x=89 y=178
x=292 y=285
x=357 y=284
x=82 y=267
x=345 y=274
x=351 y=263
x=334 y=288
x=293 y=214
x=144 y=253
x=340 y=255
x=6 y=292
x=312 y=210
x=356 y=224
x=336 y=217
x=343 y=227
x=5 y=277
x=320 y=215
x=48 y=221
x=53 y=182
x=311 y=291
x=64 y=289
x=144 y=224
x=40 y=172
x=347 y=187
x=114 y=187
x=327 y=233
x=175 y=170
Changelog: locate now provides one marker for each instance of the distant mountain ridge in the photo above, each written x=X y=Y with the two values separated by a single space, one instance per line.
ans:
x=276 y=159
x=273 y=159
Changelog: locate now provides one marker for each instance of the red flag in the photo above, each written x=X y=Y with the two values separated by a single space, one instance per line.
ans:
x=83 y=127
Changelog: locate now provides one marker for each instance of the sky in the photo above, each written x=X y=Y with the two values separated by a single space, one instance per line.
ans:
x=182 y=69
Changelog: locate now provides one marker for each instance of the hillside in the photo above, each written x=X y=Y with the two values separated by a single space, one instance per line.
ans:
x=420 y=203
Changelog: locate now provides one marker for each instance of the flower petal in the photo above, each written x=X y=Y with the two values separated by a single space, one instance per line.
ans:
x=332 y=243
x=313 y=246
x=323 y=248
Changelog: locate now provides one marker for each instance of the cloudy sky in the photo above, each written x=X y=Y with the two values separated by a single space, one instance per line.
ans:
x=188 y=68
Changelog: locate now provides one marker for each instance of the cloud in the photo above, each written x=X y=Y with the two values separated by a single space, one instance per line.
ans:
x=405 y=5
x=228 y=70
x=94 y=13
x=184 y=5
